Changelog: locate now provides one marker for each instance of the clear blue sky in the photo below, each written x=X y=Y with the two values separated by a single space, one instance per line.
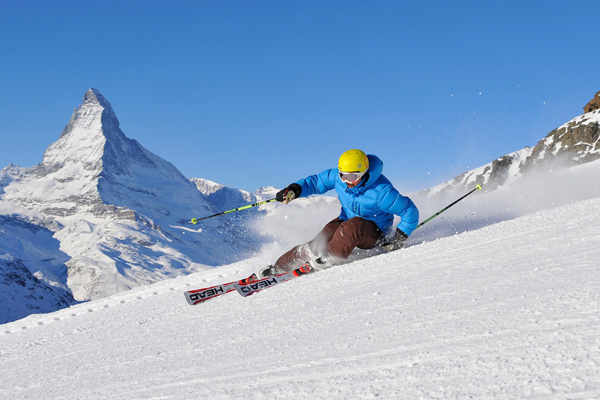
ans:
x=256 y=93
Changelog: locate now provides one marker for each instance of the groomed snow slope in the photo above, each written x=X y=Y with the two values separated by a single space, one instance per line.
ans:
x=508 y=311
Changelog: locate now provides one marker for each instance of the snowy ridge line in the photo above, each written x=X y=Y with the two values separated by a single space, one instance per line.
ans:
x=175 y=285
x=72 y=312
x=133 y=295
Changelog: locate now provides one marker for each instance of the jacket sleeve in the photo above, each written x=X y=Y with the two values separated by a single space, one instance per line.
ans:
x=318 y=184
x=393 y=202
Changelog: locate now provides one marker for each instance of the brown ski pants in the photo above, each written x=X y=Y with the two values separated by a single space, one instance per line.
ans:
x=335 y=242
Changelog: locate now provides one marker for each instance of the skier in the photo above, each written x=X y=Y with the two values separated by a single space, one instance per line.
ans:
x=369 y=203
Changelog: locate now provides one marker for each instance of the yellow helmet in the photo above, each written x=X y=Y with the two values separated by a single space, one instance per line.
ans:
x=353 y=161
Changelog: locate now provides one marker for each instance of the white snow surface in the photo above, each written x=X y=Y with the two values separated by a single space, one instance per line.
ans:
x=511 y=310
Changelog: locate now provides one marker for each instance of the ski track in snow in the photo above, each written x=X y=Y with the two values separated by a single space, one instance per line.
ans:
x=509 y=311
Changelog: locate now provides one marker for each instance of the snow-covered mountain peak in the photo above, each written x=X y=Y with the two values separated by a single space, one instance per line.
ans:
x=94 y=96
x=94 y=99
x=94 y=110
x=83 y=139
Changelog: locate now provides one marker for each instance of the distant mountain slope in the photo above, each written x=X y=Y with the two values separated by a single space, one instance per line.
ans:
x=119 y=211
x=31 y=269
x=217 y=195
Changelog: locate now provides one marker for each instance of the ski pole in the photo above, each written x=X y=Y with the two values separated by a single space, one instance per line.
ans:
x=478 y=187
x=195 y=220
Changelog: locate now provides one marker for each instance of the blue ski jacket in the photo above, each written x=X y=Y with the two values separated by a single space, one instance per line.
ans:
x=374 y=199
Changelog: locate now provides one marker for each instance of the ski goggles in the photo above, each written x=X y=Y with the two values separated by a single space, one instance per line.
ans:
x=351 y=177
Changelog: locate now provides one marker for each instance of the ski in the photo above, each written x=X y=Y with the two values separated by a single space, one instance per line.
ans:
x=198 y=296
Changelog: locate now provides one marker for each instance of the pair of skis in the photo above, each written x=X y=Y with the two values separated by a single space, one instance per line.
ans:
x=245 y=289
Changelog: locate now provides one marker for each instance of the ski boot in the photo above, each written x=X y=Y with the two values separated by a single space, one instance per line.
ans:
x=266 y=272
x=263 y=273
x=311 y=266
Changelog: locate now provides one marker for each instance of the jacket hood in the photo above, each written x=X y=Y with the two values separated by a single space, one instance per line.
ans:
x=375 y=170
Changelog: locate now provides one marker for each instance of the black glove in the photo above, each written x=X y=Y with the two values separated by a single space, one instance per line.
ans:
x=288 y=194
x=395 y=243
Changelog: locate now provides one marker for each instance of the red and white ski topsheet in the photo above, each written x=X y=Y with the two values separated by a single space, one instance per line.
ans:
x=198 y=296
x=247 y=289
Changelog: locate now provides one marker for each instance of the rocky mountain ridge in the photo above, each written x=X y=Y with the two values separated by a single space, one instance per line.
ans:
x=593 y=104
